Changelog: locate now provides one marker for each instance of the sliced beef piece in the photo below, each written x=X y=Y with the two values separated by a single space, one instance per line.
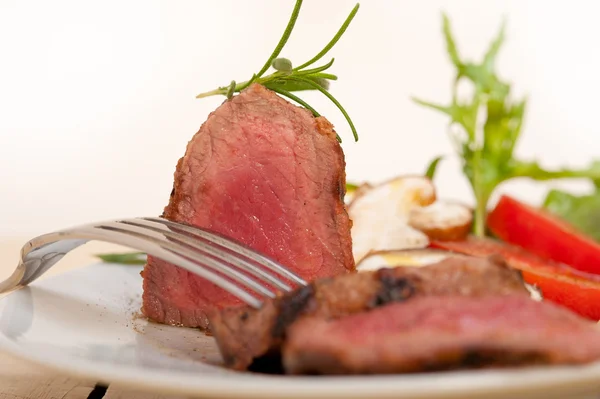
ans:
x=268 y=174
x=252 y=338
x=440 y=333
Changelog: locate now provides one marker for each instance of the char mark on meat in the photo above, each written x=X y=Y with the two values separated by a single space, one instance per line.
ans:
x=290 y=308
x=393 y=288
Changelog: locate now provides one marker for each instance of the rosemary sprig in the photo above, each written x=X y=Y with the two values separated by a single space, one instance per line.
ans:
x=287 y=79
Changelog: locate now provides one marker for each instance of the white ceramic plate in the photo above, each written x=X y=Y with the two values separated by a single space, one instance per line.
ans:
x=87 y=323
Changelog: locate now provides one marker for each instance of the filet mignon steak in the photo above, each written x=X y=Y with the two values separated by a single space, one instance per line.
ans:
x=433 y=333
x=268 y=174
x=252 y=338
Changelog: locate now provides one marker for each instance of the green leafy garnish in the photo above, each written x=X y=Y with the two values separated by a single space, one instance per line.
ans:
x=485 y=128
x=432 y=168
x=583 y=212
x=287 y=79
x=127 y=258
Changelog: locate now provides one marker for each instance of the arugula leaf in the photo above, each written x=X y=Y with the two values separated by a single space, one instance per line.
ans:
x=535 y=171
x=487 y=149
x=583 y=212
x=431 y=169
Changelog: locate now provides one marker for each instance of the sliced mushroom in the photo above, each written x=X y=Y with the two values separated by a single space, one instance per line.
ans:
x=401 y=258
x=357 y=192
x=442 y=220
x=380 y=215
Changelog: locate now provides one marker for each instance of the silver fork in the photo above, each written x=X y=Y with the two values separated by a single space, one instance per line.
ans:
x=234 y=267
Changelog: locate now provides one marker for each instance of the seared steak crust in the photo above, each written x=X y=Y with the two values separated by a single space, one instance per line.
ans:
x=268 y=174
x=246 y=334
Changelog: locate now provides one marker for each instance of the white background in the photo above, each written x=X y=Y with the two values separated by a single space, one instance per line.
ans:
x=97 y=98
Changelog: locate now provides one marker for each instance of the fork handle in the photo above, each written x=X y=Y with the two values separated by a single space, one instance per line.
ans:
x=37 y=256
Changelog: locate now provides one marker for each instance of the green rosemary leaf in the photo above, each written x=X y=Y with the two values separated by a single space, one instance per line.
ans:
x=333 y=100
x=333 y=41
x=301 y=102
x=294 y=85
x=315 y=70
x=215 y=92
x=283 y=40
x=294 y=98
x=328 y=76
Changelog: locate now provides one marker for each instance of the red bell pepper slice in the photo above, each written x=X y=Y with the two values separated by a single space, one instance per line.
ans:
x=559 y=283
x=543 y=234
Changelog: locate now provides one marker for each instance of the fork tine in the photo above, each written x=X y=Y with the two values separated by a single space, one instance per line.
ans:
x=229 y=244
x=47 y=243
x=210 y=249
x=186 y=252
x=166 y=240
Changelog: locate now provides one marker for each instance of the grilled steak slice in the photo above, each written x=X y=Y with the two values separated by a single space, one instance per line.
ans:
x=268 y=174
x=247 y=335
x=434 y=333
